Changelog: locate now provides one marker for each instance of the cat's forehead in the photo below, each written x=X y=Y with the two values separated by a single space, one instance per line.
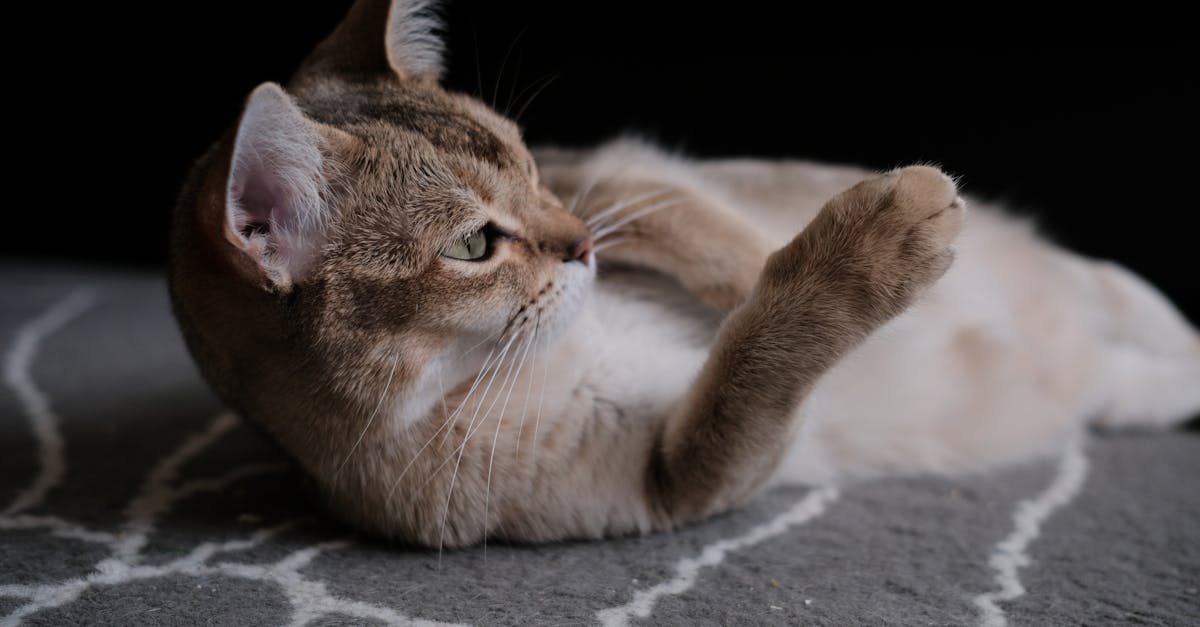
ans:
x=453 y=125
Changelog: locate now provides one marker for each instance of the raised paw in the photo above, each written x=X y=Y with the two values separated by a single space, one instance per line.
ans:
x=880 y=243
x=923 y=200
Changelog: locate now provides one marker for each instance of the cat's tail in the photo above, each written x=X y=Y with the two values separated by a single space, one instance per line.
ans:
x=1150 y=354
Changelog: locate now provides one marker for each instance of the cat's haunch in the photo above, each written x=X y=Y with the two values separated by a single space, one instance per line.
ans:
x=459 y=341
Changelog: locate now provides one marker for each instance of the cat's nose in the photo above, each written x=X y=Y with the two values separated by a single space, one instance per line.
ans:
x=579 y=249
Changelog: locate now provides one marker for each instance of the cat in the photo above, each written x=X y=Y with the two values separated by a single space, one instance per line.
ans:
x=461 y=339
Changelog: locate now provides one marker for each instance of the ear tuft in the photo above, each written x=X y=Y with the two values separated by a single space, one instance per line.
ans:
x=414 y=48
x=274 y=209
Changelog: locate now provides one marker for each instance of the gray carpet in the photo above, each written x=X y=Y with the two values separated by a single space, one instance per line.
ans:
x=130 y=498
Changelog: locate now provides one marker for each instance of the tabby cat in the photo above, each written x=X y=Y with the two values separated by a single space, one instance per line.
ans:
x=459 y=338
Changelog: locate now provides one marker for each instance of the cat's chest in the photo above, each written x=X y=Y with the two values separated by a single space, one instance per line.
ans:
x=640 y=338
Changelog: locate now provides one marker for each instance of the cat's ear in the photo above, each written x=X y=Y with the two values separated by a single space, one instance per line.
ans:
x=381 y=36
x=275 y=197
x=414 y=48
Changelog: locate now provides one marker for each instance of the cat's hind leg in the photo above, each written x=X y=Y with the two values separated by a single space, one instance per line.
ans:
x=1150 y=353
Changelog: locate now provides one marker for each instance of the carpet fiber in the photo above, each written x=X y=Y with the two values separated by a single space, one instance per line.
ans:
x=128 y=496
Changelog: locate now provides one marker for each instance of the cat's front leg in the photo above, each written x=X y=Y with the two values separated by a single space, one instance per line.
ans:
x=870 y=252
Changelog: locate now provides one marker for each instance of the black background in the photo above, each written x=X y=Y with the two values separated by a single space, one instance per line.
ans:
x=110 y=105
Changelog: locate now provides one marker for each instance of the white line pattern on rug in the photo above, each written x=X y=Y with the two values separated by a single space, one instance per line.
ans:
x=52 y=463
x=309 y=599
x=157 y=496
x=56 y=527
x=687 y=570
x=1010 y=554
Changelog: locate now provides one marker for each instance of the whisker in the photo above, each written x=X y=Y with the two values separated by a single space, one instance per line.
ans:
x=512 y=86
x=382 y=397
x=528 y=391
x=487 y=494
x=609 y=243
x=537 y=423
x=503 y=66
x=594 y=221
x=471 y=428
x=584 y=193
x=488 y=364
x=494 y=369
x=638 y=215
x=462 y=448
x=546 y=83
x=496 y=364
x=481 y=343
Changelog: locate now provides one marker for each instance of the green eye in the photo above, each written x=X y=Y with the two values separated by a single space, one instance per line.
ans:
x=471 y=248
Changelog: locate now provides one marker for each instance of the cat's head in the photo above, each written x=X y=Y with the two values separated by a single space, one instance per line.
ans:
x=363 y=211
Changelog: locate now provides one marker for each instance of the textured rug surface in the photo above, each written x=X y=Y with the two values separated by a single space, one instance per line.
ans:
x=129 y=497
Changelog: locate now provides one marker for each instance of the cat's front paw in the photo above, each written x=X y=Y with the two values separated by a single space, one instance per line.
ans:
x=880 y=243
x=897 y=230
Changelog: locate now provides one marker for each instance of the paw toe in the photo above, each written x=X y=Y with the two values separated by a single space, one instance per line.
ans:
x=925 y=186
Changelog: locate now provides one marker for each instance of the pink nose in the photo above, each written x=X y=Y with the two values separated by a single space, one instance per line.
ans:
x=579 y=249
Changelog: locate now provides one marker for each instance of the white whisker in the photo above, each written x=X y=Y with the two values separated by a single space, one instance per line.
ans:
x=537 y=423
x=608 y=243
x=487 y=494
x=528 y=391
x=638 y=215
x=445 y=424
x=471 y=428
x=382 y=397
x=595 y=221
x=545 y=83
x=448 y=422
x=583 y=194
x=482 y=373
x=481 y=343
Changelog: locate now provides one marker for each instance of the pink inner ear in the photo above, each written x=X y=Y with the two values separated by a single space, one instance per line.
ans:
x=273 y=196
x=260 y=202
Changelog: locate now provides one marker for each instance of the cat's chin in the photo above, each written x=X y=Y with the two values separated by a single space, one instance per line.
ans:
x=562 y=304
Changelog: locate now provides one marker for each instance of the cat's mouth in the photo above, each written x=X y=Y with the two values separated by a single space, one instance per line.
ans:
x=553 y=307
x=531 y=312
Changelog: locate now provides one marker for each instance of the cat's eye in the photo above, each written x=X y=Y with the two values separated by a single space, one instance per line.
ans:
x=473 y=247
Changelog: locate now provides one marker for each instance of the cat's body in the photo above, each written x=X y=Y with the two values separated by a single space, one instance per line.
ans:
x=374 y=271
x=1016 y=347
